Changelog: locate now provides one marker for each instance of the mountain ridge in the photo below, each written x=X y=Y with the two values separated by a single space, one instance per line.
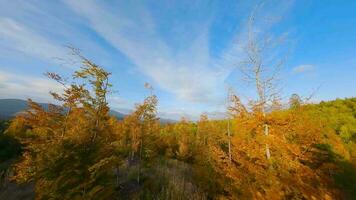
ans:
x=11 y=107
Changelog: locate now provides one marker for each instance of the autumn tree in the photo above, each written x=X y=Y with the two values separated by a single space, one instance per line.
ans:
x=261 y=69
x=270 y=147
x=69 y=148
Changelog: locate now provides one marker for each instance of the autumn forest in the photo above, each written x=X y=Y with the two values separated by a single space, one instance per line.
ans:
x=274 y=136
x=76 y=150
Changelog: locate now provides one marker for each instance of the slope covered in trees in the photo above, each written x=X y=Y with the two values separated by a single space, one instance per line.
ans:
x=78 y=151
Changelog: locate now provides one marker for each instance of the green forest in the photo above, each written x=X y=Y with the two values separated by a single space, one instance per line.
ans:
x=77 y=150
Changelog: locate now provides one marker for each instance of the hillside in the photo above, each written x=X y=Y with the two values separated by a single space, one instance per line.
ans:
x=177 y=159
x=340 y=115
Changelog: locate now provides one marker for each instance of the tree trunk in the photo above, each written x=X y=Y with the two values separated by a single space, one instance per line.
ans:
x=117 y=175
x=65 y=122
x=266 y=131
x=139 y=164
x=229 y=135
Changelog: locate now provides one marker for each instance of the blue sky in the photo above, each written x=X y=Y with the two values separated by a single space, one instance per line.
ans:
x=187 y=50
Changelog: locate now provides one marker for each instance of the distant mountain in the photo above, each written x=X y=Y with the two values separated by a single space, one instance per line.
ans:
x=118 y=115
x=9 y=108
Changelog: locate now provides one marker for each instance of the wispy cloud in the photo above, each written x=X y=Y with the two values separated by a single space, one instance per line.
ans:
x=173 y=50
x=303 y=68
x=17 y=36
x=188 y=73
x=22 y=86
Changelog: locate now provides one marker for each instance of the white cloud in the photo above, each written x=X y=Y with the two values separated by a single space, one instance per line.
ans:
x=303 y=68
x=120 y=104
x=177 y=115
x=17 y=36
x=21 y=86
x=188 y=73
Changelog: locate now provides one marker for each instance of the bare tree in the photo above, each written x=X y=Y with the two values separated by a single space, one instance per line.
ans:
x=261 y=68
